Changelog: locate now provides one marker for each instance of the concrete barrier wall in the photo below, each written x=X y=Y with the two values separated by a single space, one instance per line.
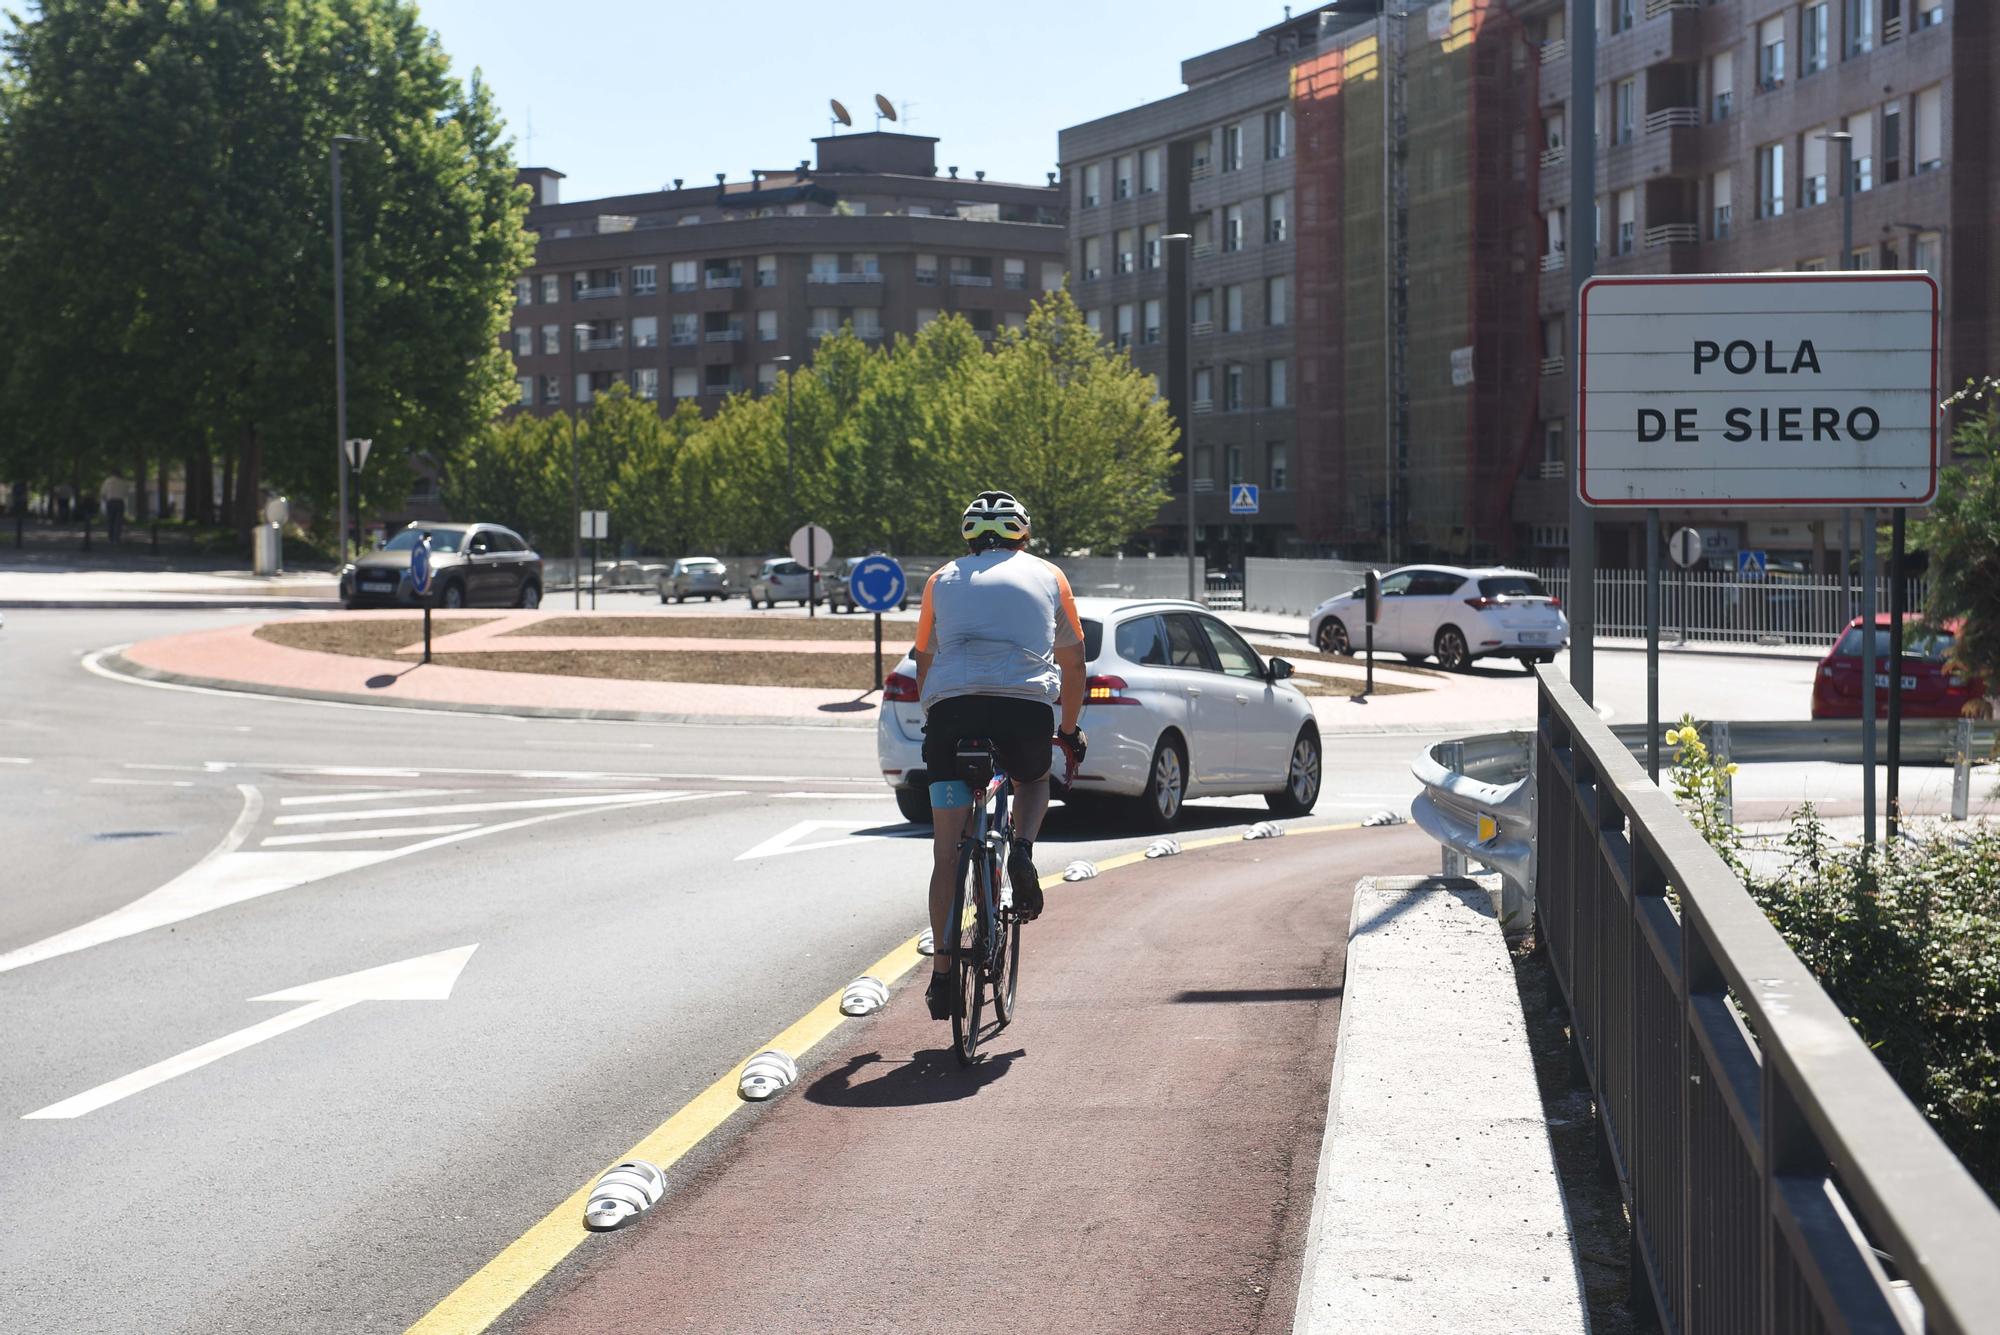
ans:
x=1295 y=587
x=1129 y=577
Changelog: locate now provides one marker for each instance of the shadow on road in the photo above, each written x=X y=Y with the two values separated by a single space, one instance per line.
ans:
x=930 y=1076
x=1235 y=995
x=384 y=680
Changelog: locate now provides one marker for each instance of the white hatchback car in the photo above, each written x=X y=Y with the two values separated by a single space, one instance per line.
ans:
x=783 y=578
x=1177 y=705
x=1449 y=613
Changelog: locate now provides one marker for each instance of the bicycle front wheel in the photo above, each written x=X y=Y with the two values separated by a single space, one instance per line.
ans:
x=968 y=939
x=1006 y=967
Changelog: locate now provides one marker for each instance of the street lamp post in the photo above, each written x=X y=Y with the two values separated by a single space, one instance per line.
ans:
x=340 y=340
x=578 y=332
x=1183 y=264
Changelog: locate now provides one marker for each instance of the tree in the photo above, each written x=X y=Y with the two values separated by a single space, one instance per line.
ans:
x=165 y=229
x=1962 y=534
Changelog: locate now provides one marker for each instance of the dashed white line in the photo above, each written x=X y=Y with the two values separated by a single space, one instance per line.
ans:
x=17 y=760
x=148 y=783
x=342 y=836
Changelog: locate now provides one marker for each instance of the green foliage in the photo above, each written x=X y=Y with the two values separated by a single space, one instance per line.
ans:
x=1906 y=940
x=882 y=445
x=165 y=239
x=1963 y=533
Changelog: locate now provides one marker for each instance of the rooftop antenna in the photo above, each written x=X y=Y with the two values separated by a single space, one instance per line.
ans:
x=840 y=116
x=884 y=110
x=907 y=119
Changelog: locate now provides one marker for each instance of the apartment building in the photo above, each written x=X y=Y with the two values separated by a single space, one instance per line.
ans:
x=1712 y=120
x=694 y=292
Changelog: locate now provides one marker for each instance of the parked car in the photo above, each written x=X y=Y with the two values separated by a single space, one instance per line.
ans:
x=840 y=591
x=472 y=565
x=1177 y=705
x=1453 y=614
x=781 y=579
x=1931 y=686
x=701 y=577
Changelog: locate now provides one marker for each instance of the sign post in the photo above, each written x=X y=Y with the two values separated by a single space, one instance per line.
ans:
x=420 y=583
x=807 y=543
x=1653 y=645
x=1797 y=390
x=877 y=585
x=595 y=524
x=357 y=457
x=1685 y=547
x=1373 y=585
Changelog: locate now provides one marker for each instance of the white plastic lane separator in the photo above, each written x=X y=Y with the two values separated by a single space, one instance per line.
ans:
x=425 y=978
x=230 y=876
x=799 y=838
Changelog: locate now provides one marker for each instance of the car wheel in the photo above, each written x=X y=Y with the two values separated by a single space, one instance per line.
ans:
x=1159 y=807
x=453 y=595
x=1528 y=662
x=1452 y=653
x=914 y=801
x=1414 y=658
x=531 y=595
x=664 y=597
x=1332 y=638
x=1302 y=777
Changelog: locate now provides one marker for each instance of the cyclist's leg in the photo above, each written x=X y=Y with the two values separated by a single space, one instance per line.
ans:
x=951 y=805
x=1024 y=750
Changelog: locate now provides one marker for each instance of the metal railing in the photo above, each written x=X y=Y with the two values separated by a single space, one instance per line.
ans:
x=1672 y=234
x=1672 y=118
x=1722 y=606
x=1479 y=803
x=1553 y=262
x=1774 y=1182
x=1552 y=365
x=1552 y=157
x=716 y=280
x=843 y=277
x=597 y=293
x=1655 y=8
x=971 y=280
x=1553 y=50
x=723 y=336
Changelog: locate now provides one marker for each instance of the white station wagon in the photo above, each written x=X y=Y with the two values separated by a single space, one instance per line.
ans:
x=1449 y=613
x=1177 y=705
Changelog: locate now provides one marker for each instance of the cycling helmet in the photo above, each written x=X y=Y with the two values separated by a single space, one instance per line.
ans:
x=994 y=514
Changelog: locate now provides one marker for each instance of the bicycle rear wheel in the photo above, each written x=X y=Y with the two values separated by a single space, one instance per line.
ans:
x=968 y=939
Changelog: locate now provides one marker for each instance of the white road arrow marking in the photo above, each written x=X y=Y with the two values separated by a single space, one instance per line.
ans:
x=790 y=841
x=426 y=978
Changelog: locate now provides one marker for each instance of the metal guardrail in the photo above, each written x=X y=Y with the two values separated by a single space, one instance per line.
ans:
x=1764 y=1176
x=1479 y=802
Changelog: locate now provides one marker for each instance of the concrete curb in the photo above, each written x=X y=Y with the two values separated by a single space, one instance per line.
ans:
x=122 y=666
x=220 y=603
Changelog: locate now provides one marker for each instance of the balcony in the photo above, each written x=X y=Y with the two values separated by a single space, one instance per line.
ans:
x=873 y=335
x=716 y=280
x=1203 y=249
x=837 y=278
x=1672 y=234
x=767 y=278
x=971 y=280
x=1655 y=8
x=1552 y=470
x=1556 y=48
x=679 y=339
x=1200 y=171
x=1672 y=118
x=927 y=277
x=682 y=287
x=1554 y=262
x=606 y=344
x=1554 y=157
x=1202 y=327
x=1017 y=282
x=1552 y=366
x=728 y=388
x=768 y=335
x=723 y=336
x=1201 y=408
x=599 y=293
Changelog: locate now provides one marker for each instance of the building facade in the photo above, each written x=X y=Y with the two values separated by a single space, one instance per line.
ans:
x=693 y=293
x=1711 y=123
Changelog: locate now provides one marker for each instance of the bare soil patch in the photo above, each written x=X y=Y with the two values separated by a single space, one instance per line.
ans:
x=829 y=672
x=721 y=628
x=370 y=638
x=1348 y=686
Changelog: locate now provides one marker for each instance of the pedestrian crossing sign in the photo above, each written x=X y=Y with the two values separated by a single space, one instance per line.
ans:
x=1242 y=498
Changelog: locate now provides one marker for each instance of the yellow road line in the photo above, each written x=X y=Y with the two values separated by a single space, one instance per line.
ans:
x=505 y=1280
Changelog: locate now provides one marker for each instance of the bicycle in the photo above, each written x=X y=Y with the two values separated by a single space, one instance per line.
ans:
x=984 y=934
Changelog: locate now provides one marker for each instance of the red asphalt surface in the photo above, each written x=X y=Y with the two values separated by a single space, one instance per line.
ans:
x=1136 y=1152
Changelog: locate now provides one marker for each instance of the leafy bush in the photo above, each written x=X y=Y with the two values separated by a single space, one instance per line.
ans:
x=1904 y=937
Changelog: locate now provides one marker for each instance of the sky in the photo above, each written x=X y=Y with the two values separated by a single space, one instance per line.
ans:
x=625 y=95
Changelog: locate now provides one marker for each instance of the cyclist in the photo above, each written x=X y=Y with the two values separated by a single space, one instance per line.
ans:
x=999 y=649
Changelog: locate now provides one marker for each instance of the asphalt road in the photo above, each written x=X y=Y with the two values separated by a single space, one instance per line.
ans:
x=644 y=906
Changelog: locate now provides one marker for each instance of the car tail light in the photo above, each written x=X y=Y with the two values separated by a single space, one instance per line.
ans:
x=1556 y=603
x=1482 y=603
x=899 y=689
x=1106 y=691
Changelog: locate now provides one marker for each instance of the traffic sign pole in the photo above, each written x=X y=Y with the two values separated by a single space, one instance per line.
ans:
x=1653 y=645
x=1868 y=664
x=877 y=584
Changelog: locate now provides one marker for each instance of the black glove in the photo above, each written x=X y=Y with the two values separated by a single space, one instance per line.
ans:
x=1073 y=742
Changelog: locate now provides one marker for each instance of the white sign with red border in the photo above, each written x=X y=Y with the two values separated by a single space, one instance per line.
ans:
x=1797 y=389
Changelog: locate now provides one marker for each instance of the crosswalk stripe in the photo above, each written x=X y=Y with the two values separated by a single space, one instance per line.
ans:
x=467 y=808
x=342 y=836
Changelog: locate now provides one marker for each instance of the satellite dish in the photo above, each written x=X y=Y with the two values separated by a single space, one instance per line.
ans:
x=839 y=112
x=883 y=105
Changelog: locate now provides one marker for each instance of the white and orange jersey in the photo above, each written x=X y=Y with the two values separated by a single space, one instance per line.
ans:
x=992 y=623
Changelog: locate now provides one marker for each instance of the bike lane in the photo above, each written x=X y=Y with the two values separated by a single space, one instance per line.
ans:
x=1136 y=1151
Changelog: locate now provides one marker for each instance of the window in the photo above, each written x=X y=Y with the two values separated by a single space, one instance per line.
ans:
x=1122 y=338
x=1232 y=387
x=685 y=329
x=1771 y=52
x=683 y=276
x=767 y=377
x=1771 y=181
x=1929 y=254
x=1149 y=246
x=1204 y=399
x=583 y=387
x=1277 y=383
x=1013 y=274
x=1232 y=309
x=1860 y=27
x=524 y=291
x=645 y=331
x=1929 y=112
x=1149 y=322
x=926 y=316
x=1812 y=38
x=767 y=326
x=1278 y=300
x=1093 y=185
x=1125 y=246
x=825 y=321
x=863 y=262
x=1722 y=85
x=825 y=268
x=1143 y=640
x=551 y=289
x=526 y=384
x=1720 y=204
x=1553 y=258
x=1203 y=315
x=1278 y=217
x=1232 y=466
x=592 y=284
x=927 y=268
x=1892 y=142
x=1277 y=134
x=1052 y=275
x=524 y=341
x=767 y=271
x=867 y=323
x=1278 y=466
x=1232 y=228
x=1628 y=221
x=1812 y=189
x=646 y=382
x=1093 y=320
x=1624 y=13
x=687 y=382
x=1232 y=147
x=1151 y=165
x=551 y=339
x=1122 y=173
x=1862 y=127
x=1625 y=111
x=1930 y=13
x=645 y=279
x=1093 y=259
x=1204 y=233
x=1862 y=257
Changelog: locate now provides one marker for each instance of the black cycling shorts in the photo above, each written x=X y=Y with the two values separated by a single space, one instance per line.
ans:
x=1021 y=732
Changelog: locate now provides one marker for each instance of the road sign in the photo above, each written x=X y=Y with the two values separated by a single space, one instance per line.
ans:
x=357 y=451
x=811 y=545
x=426 y=978
x=1751 y=564
x=877 y=584
x=1685 y=547
x=420 y=564
x=1242 y=498
x=595 y=524
x=1796 y=389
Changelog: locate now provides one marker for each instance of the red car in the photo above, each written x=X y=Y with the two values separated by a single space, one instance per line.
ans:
x=1932 y=688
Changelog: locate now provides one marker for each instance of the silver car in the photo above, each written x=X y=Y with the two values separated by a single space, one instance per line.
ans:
x=783 y=579
x=701 y=577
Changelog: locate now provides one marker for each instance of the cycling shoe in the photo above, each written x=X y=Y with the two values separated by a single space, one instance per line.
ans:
x=1027 y=882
